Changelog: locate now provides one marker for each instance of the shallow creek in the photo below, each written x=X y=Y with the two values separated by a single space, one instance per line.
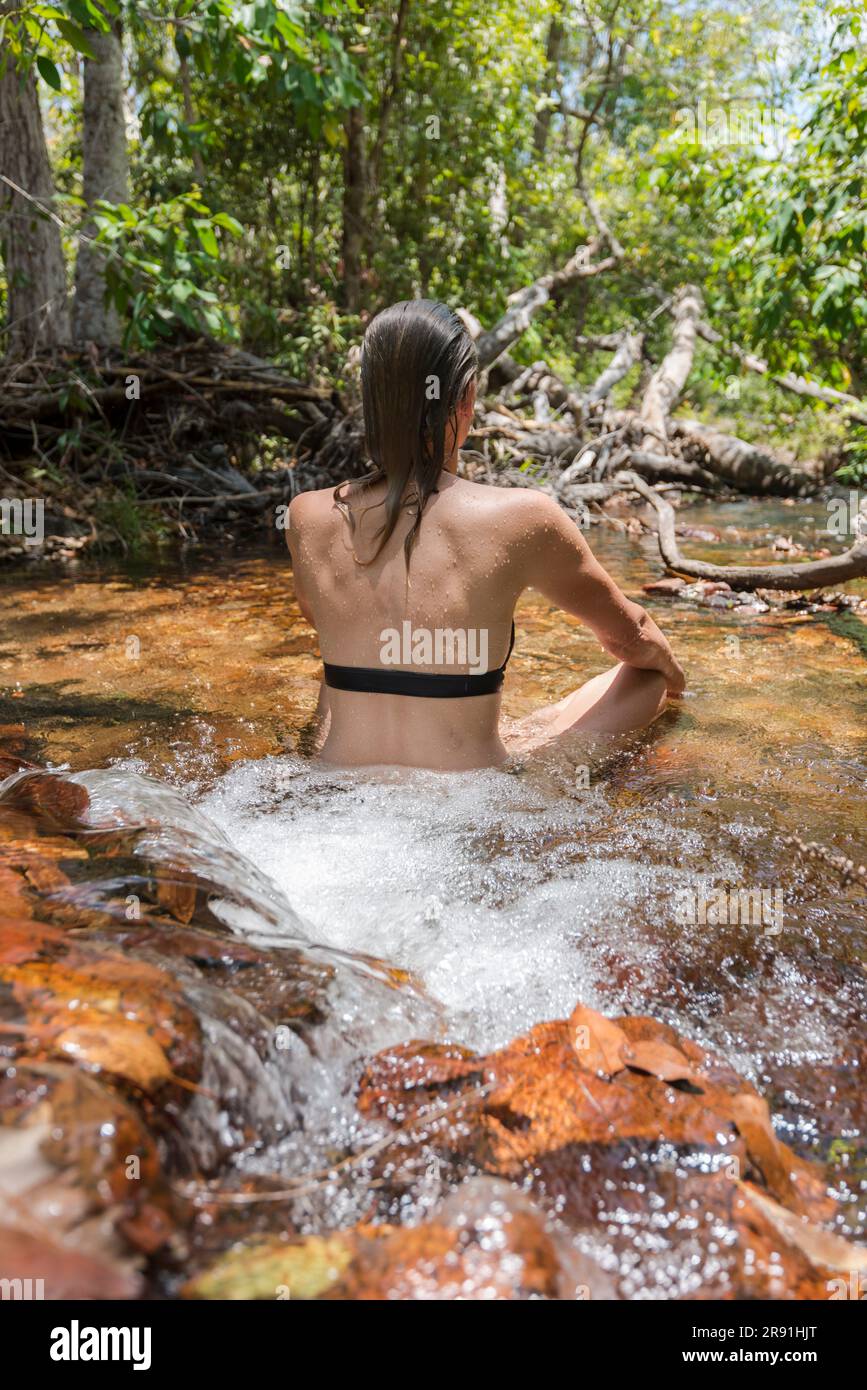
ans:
x=505 y=896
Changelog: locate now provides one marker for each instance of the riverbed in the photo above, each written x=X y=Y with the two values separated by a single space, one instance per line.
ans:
x=504 y=896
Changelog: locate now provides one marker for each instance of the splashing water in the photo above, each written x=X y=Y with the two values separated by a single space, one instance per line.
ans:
x=508 y=896
x=479 y=883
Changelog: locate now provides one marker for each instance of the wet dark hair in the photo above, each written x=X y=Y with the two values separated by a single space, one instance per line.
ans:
x=417 y=364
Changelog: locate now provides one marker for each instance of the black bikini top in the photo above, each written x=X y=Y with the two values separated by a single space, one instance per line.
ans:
x=378 y=680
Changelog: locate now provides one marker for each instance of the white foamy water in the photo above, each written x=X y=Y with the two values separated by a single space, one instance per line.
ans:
x=479 y=883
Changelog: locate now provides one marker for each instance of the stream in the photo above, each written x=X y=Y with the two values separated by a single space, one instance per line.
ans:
x=465 y=908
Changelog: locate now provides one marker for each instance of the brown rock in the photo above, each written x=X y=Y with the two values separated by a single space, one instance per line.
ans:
x=670 y=585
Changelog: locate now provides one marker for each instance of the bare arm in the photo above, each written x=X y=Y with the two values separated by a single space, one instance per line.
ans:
x=322 y=716
x=293 y=541
x=558 y=562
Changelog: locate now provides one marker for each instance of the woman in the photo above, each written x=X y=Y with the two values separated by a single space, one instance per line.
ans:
x=411 y=575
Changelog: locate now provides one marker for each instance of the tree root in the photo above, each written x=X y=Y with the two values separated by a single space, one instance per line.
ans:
x=814 y=574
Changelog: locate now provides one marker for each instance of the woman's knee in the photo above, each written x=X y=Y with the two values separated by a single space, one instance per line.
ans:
x=651 y=680
x=648 y=688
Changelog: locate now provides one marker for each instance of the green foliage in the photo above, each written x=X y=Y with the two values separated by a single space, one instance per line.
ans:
x=787 y=220
x=239 y=123
x=120 y=517
x=36 y=34
x=273 y=50
x=854 y=452
x=159 y=263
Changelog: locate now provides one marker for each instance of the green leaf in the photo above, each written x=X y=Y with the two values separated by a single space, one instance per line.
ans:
x=48 y=72
x=76 y=37
x=89 y=15
x=181 y=290
x=231 y=224
x=207 y=239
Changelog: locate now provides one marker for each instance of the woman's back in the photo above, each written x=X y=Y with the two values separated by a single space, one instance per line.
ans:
x=411 y=575
x=449 y=612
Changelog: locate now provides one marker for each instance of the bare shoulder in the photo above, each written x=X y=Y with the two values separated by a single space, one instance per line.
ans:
x=309 y=507
x=526 y=511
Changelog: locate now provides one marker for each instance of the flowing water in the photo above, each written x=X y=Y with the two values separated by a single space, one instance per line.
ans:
x=506 y=895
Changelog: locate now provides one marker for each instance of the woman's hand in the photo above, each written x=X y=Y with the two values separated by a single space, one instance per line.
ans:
x=674 y=676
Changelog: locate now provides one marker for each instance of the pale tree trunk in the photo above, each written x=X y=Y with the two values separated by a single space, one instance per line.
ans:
x=37 y=303
x=670 y=378
x=106 y=177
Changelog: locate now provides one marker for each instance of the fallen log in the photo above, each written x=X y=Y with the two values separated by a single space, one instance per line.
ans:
x=748 y=467
x=672 y=469
x=525 y=303
x=671 y=376
x=724 y=459
x=47 y=405
x=812 y=574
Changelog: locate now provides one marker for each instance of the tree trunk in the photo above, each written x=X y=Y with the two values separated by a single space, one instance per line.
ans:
x=552 y=63
x=37 y=303
x=670 y=378
x=190 y=116
x=389 y=96
x=354 y=188
x=106 y=177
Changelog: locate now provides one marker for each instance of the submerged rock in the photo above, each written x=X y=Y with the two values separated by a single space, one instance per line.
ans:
x=150 y=1048
x=176 y=1051
x=633 y=1135
x=484 y=1242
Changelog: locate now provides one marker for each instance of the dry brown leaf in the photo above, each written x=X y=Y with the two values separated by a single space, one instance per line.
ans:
x=600 y=1045
x=823 y=1248
x=662 y=1060
x=116 y=1046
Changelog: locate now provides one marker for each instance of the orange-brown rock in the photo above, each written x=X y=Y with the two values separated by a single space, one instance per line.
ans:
x=74 y=1000
x=484 y=1242
x=588 y=1081
x=631 y=1132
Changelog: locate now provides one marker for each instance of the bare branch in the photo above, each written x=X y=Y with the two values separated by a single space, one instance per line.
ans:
x=627 y=354
x=790 y=381
x=670 y=378
x=526 y=303
x=813 y=574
